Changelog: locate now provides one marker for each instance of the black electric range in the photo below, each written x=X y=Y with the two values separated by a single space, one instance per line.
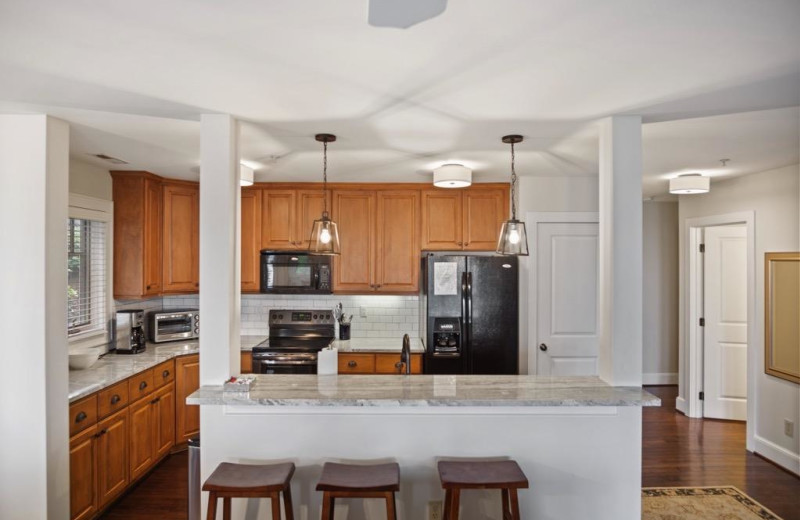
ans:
x=295 y=339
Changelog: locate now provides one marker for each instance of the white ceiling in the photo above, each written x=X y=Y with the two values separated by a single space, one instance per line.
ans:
x=713 y=79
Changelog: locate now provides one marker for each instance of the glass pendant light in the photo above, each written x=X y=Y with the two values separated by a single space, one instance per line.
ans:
x=513 y=237
x=324 y=233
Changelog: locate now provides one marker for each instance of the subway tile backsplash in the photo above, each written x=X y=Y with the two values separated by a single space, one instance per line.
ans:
x=388 y=316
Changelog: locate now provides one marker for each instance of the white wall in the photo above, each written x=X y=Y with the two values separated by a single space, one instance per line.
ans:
x=574 y=194
x=88 y=179
x=774 y=196
x=660 y=293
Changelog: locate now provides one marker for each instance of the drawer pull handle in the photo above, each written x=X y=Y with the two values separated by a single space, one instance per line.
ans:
x=142 y=385
x=80 y=417
x=352 y=364
x=154 y=401
x=115 y=399
x=399 y=364
x=165 y=373
x=102 y=432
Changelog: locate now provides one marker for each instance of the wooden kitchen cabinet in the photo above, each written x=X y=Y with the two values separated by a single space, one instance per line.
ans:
x=310 y=204
x=246 y=363
x=137 y=234
x=181 y=237
x=468 y=219
x=356 y=363
x=187 y=380
x=83 y=475
x=112 y=457
x=287 y=216
x=251 y=240
x=164 y=420
x=391 y=364
x=142 y=442
x=376 y=363
x=354 y=213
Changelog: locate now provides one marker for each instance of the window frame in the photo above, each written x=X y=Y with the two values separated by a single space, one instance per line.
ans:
x=92 y=208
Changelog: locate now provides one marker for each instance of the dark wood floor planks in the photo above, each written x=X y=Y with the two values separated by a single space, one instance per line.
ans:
x=677 y=451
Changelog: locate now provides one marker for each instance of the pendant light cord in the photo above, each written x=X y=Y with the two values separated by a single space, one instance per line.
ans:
x=513 y=186
x=325 y=177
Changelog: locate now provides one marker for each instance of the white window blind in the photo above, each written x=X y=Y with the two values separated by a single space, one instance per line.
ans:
x=86 y=276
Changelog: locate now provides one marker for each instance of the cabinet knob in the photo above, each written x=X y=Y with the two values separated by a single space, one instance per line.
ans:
x=80 y=417
x=154 y=401
x=148 y=287
x=197 y=284
x=460 y=243
x=115 y=399
x=352 y=364
x=399 y=365
x=165 y=374
x=101 y=432
x=142 y=385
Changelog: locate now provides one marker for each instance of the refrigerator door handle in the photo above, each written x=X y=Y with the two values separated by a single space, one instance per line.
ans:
x=463 y=298
x=469 y=298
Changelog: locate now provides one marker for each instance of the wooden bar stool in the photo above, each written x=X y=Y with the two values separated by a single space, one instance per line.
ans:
x=357 y=481
x=505 y=475
x=250 y=481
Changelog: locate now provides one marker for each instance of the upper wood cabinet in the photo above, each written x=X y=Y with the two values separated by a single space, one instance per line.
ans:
x=137 y=234
x=379 y=236
x=251 y=239
x=468 y=219
x=287 y=216
x=181 y=237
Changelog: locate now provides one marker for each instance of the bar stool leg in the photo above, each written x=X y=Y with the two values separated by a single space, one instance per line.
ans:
x=275 y=499
x=506 y=512
x=226 y=508
x=446 y=505
x=391 y=507
x=327 y=505
x=455 y=496
x=514 y=505
x=288 y=508
x=212 y=506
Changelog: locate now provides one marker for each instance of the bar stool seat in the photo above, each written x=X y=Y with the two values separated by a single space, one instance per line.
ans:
x=505 y=475
x=359 y=481
x=249 y=481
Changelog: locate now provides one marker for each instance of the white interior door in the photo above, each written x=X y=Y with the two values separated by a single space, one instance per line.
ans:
x=725 y=332
x=566 y=293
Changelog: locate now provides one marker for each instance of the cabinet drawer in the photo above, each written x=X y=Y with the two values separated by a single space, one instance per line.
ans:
x=82 y=414
x=112 y=399
x=389 y=364
x=164 y=373
x=140 y=385
x=356 y=364
x=247 y=363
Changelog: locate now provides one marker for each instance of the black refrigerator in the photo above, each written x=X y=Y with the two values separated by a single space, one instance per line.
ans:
x=469 y=313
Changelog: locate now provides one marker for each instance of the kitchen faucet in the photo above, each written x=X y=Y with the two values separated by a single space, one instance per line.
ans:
x=405 y=354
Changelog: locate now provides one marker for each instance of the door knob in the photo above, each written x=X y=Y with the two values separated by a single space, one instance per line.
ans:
x=543 y=347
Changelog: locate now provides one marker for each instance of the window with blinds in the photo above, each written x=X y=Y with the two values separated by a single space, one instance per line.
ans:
x=86 y=276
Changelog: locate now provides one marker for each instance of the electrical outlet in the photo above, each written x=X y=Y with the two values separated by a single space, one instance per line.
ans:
x=788 y=428
x=363 y=312
x=435 y=510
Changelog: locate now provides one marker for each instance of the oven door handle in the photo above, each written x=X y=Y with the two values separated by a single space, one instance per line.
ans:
x=288 y=362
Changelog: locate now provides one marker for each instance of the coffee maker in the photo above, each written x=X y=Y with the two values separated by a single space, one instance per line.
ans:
x=129 y=335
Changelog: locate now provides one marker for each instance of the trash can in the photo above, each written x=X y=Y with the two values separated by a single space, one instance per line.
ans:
x=194 y=479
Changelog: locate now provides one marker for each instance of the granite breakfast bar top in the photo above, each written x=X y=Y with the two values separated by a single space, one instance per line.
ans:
x=112 y=367
x=425 y=391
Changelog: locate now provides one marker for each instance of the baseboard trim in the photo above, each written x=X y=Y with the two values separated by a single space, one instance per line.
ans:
x=660 y=378
x=778 y=454
x=680 y=405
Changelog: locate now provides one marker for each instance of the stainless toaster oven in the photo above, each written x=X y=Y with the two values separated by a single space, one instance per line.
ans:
x=174 y=325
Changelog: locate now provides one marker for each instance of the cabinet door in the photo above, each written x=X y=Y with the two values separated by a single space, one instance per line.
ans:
x=112 y=457
x=251 y=240
x=247 y=363
x=181 y=238
x=391 y=364
x=397 y=241
x=141 y=445
x=164 y=422
x=356 y=363
x=278 y=212
x=441 y=220
x=484 y=213
x=310 y=204
x=82 y=475
x=187 y=380
x=354 y=212
x=152 y=237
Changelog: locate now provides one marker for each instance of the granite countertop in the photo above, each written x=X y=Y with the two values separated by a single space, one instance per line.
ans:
x=113 y=368
x=377 y=345
x=425 y=391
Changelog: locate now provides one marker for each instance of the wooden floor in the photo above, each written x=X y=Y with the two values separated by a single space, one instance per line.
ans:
x=677 y=451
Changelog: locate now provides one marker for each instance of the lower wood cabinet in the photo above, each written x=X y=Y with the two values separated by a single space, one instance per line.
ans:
x=164 y=422
x=247 y=363
x=376 y=363
x=187 y=380
x=112 y=456
x=142 y=445
x=83 y=475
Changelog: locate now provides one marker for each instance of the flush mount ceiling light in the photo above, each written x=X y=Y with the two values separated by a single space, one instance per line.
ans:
x=689 y=184
x=324 y=233
x=513 y=237
x=245 y=175
x=452 y=176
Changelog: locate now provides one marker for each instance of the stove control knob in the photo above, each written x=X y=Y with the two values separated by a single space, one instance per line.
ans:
x=328 y=316
x=315 y=316
x=274 y=316
x=280 y=316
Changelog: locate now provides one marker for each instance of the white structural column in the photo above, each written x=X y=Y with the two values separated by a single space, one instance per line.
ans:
x=34 y=452
x=620 y=355
x=220 y=270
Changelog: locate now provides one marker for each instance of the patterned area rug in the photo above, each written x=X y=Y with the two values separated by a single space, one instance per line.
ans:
x=701 y=503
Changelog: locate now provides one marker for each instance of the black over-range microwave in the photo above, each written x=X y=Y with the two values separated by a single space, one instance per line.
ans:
x=295 y=272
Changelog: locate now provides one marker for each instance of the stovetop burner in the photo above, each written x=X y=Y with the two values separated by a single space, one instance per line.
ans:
x=293 y=345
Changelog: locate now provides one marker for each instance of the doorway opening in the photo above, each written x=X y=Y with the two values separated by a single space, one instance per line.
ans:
x=719 y=317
